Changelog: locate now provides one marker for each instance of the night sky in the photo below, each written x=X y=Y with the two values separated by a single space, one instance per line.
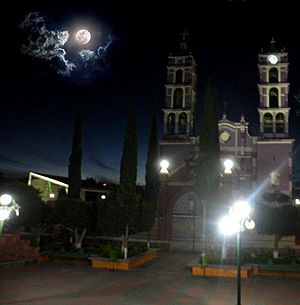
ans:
x=39 y=101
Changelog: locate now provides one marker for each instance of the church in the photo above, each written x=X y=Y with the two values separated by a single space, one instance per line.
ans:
x=261 y=162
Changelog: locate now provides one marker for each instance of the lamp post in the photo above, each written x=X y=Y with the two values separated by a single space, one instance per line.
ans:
x=235 y=222
x=7 y=204
x=163 y=233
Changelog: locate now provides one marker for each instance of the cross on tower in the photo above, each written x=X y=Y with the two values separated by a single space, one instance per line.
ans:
x=183 y=34
x=225 y=103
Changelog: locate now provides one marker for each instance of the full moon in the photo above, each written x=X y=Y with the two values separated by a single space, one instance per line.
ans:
x=83 y=36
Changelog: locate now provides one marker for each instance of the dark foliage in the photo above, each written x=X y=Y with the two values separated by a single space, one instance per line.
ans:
x=208 y=165
x=75 y=159
x=152 y=176
x=283 y=221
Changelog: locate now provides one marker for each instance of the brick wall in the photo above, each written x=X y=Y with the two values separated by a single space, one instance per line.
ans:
x=13 y=248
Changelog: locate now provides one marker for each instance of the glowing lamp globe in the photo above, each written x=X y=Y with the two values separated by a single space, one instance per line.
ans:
x=249 y=224
x=228 y=164
x=241 y=210
x=297 y=201
x=5 y=199
x=4 y=213
x=103 y=197
x=228 y=225
x=164 y=164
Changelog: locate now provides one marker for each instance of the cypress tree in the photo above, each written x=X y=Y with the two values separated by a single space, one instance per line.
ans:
x=208 y=165
x=128 y=169
x=152 y=175
x=127 y=198
x=75 y=159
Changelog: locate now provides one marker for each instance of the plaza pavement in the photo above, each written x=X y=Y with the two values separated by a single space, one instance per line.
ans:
x=164 y=281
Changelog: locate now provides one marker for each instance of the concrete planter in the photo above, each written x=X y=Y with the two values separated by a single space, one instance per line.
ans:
x=123 y=264
x=221 y=271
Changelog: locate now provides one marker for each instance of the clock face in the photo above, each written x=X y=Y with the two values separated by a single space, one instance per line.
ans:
x=224 y=136
x=272 y=59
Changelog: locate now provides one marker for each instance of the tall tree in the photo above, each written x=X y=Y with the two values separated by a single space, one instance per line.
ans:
x=75 y=159
x=127 y=197
x=128 y=169
x=152 y=176
x=208 y=165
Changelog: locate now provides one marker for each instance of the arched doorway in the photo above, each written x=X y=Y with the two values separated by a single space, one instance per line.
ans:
x=186 y=223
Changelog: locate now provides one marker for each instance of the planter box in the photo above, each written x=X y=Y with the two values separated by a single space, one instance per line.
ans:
x=123 y=264
x=221 y=271
x=69 y=260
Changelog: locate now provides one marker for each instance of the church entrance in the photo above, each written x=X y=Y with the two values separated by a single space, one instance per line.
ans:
x=186 y=223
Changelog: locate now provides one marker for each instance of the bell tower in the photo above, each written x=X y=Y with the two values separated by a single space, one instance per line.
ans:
x=179 y=110
x=273 y=90
x=274 y=146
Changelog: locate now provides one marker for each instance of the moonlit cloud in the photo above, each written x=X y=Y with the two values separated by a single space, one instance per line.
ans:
x=46 y=44
x=50 y=45
x=86 y=55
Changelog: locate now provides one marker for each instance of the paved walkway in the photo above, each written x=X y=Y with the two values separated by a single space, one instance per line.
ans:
x=165 y=281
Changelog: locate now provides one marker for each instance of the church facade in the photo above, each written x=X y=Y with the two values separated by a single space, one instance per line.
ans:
x=262 y=162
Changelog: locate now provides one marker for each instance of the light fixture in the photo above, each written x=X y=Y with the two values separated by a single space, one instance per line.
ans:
x=103 y=197
x=297 y=201
x=228 y=164
x=164 y=164
x=241 y=210
x=5 y=199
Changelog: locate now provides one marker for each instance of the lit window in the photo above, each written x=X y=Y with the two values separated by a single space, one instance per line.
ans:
x=275 y=176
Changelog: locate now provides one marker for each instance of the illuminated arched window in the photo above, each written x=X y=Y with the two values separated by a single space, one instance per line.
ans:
x=280 y=123
x=171 y=124
x=268 y=123
x=179 y=77
x=178 y=98
x=275 y=178
x=273 y=98
x=273 y=75
x=182 y=123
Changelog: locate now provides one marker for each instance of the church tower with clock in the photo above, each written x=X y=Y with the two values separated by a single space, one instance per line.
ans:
x=274 y=146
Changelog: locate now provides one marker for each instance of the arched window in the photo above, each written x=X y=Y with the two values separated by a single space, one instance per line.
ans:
x=275 y=178
x=171 y=124
x=182 y=123
x=179 y=77
x=178 y=98
x=268 y=123
x=273 y=98
x=273 y=75
x=280 y=123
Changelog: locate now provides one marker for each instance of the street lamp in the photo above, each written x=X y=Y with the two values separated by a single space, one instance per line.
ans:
x=164 y=164
x=235 y=222
x=7 y=204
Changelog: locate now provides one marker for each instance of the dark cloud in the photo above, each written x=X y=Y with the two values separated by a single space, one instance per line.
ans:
x=101 y=164
x=8 y=161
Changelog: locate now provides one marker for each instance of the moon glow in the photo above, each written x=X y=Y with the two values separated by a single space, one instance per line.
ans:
x=83 y=36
